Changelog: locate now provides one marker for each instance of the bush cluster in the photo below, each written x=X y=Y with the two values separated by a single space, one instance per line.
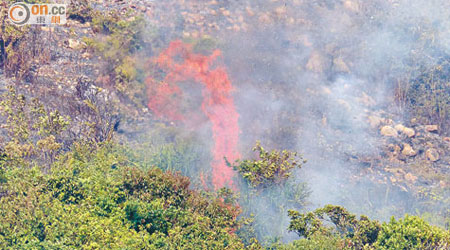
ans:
x=100 y=200
x=336 y=227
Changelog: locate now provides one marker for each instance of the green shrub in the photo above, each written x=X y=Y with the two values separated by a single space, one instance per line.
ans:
x=411 y=232
x=316 y=241
x=120 y=40
x=96 y=200
x=272 y=168
x=335 y=226
x=267 y=192
x=34 y=133
x=356 y=233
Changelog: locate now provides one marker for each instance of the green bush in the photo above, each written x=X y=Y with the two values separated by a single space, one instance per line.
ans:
x=96 y=200
x=33 y=132
x=339 y=229
x=412 y=232
x=356 y=233
x=272 y=168
x=120 y=40
x=267 y=192
x=316 y=241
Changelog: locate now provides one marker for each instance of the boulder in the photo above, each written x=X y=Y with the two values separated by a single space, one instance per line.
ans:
x=47 y=28
x=399 y=127
x=431 y=128
x=345 y=104
x=142 y=8
x=408 y=150
x=264 y=18
x=432 y=154
x=226 y=13
x=405 y=130
x=409 y=132
x=389 y=131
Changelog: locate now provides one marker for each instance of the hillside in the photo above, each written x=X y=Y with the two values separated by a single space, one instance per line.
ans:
x=186 y=124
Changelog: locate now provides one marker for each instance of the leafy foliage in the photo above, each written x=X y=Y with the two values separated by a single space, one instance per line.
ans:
x=359 y=233
x=96 y=196
x=411 y=233
x=264 y=210
x=267 y=192
x=119 y=41
x=335 y=225
x=95 y=200
x=271 y=168
x=316 y=241
x=34 y=133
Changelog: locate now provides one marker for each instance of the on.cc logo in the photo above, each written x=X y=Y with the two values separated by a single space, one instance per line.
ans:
x=19 y=13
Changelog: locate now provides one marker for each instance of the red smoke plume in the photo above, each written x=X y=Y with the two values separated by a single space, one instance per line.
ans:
x=180 y=64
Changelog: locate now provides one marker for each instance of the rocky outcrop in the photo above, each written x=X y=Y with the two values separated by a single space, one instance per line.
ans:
x=412 y=156
x=388 y=131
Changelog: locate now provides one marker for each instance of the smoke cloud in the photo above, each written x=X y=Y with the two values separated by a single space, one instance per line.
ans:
x=307 y=74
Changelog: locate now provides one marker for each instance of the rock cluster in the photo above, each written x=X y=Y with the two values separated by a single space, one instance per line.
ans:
x=409 y=151
x=417 y=140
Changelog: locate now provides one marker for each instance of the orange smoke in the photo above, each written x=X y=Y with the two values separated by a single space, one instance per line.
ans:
x=180 y=64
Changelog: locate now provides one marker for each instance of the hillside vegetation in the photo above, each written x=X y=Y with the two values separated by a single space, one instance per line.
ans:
x=335 y=116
